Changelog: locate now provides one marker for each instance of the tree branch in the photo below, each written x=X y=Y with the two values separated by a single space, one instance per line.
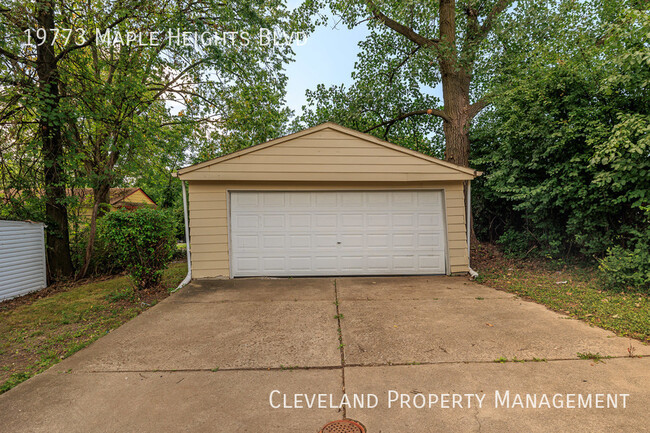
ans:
x=90 y=40
x=479 y=105
x=391 y=77
x=431 y=111
x=499 y=7
x=400 y=28
x=16 y=58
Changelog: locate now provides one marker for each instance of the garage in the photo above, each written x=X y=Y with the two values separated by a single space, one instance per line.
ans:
x=326 y=201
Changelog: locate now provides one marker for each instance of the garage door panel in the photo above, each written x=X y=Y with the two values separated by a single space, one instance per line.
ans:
x=379 y=263
x=243 y=201
x=404 y=240
x=354 y=263
x=246 y=221
x=273 y=200
x=325 y=220
x=247 y=241
x=354 y=221
x=300 y=200
x=380 y=221
x=273 y=241
x=326 y=263
x=273 y=264
x=299 y=264
x=404 y=220
x=300 y=241
x=326 y=199
x=377 y=199
x=337 y=233
x=325 y=241
x=351 y=241
x=300 y=220
x=273 y=221
x=404 y=263
x=378 y=240
x=430 y=262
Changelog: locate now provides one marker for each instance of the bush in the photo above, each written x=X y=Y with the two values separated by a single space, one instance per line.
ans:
x=104 y=260
x=143 y=241
x=628 y=268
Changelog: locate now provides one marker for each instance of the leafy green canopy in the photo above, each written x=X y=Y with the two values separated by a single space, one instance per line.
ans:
x=566 y=147
x=127 y=108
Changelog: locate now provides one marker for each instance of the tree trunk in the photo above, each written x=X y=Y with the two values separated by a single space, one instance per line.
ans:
x=56 y=211
x=100 y=198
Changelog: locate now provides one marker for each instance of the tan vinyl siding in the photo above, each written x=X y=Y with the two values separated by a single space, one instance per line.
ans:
x=456 y=228
x=326 y=155
x=209 y=218
x=208 y=230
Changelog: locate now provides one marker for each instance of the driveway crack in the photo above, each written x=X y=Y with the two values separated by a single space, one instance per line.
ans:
x=341 y=345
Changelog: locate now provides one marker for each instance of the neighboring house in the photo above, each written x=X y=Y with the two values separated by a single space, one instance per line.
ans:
x=127 y=198
x=327 y=201
x=119 y=198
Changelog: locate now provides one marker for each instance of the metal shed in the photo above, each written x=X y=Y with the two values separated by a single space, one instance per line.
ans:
x=22 y=258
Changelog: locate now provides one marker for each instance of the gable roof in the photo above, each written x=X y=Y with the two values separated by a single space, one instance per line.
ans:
x=464 y=172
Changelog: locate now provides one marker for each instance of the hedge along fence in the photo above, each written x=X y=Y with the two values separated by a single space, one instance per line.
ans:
x=23 y=267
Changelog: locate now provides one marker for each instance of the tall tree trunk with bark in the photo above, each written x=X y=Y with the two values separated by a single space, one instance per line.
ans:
x=58 y=237
x=455 y=63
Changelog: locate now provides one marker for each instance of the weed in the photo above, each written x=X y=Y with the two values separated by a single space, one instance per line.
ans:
x=290 y=368
x=478 y=298
x=596 y=357
x=630 y=351
x=121 y=295
x=14 y=380
x=539 y=359
x=501 y=360
x=215 y=369
x=339 y=316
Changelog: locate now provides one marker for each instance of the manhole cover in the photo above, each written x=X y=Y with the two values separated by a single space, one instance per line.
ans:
x=343 y=426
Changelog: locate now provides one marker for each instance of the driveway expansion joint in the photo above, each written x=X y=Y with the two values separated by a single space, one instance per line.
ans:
x=341 y=345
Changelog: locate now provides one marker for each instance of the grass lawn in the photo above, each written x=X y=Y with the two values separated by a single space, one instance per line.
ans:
x=574 y=290
x=39 y=330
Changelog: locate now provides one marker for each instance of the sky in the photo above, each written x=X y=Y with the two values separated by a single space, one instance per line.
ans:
x=328 y=57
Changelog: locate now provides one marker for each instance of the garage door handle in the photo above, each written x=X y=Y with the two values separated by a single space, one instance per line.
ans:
x=338 y=243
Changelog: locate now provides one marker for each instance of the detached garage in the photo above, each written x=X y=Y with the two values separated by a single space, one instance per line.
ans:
x=326 y=201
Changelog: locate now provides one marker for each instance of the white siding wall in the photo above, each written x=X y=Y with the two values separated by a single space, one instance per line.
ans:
x=22 y=258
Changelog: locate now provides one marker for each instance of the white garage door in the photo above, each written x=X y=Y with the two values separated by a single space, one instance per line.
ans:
x=336 y=233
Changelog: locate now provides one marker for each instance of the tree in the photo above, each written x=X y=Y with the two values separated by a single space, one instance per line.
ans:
x=566 y=143
x=107 y=105
x=414 y=45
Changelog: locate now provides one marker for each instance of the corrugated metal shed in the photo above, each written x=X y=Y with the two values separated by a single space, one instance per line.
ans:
x=22 y=258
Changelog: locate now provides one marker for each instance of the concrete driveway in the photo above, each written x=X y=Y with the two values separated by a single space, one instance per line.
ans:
x=209 y=358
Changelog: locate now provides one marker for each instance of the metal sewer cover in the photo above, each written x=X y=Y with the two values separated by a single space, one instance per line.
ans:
x=343 y=426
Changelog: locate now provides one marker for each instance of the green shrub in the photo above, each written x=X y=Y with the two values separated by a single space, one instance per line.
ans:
x=143 y=241
x=628 y=268
x=515 y=244
x=104 y=260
